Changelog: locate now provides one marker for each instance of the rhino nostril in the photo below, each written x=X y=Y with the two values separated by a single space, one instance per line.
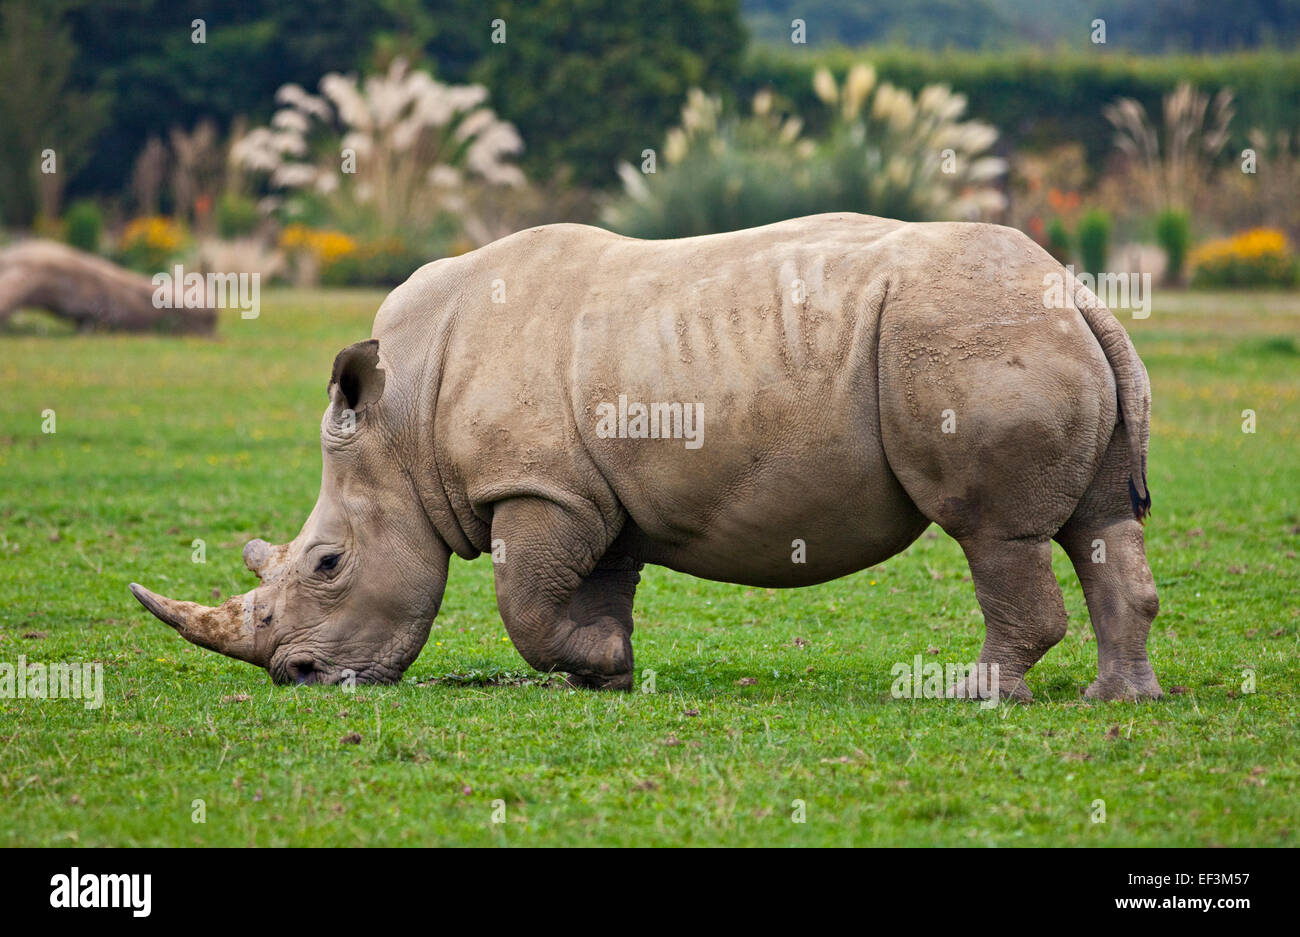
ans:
x=302 y=670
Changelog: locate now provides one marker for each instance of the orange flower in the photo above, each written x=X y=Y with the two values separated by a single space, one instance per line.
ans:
x=1062 y=202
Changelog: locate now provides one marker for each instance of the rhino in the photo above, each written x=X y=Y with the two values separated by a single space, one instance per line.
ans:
x=774 y=407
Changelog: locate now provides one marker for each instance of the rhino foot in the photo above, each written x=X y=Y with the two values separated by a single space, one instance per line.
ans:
x=598 y=656
x=1014 y=690
x=1128 y=680
x=582 y=681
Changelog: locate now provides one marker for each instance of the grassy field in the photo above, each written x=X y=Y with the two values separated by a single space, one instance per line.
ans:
x=763 y=698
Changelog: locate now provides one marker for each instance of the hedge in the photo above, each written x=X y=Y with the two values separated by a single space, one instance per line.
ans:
x=1041 y=98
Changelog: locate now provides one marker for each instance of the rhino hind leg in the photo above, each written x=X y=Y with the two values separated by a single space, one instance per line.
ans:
x=567 y=607
x=1105 y=543
x=1024 y=614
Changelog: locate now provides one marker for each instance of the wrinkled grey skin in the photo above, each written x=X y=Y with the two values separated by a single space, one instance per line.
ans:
x=827 y=354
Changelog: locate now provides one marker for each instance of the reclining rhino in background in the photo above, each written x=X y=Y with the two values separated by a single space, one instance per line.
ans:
x=844 y=381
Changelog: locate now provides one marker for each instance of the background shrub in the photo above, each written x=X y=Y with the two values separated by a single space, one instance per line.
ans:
x=83 y=225
x=1058 y=240
x=884 y=154
x=237 y=215
x=705 y=193
x=148 y=244
x=1174 y=234
x=386 y=262
x=1094 y=240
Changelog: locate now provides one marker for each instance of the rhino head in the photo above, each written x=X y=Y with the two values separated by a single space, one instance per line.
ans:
x=354 y=594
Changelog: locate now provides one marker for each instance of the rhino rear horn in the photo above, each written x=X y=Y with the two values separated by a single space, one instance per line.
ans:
x=257 y=553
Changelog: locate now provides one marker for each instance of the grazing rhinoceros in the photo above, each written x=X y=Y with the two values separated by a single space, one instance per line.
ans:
x=773 y=407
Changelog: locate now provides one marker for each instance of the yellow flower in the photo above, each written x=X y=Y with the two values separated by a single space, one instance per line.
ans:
x=328 y=246
x=1256 y=257
x=154 y=231
x=1255 y=243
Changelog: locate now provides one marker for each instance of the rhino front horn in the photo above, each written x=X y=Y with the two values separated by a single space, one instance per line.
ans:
x=226 y=629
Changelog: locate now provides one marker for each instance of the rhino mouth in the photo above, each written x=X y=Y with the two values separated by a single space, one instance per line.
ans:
x=299 y=670
x=304 y=670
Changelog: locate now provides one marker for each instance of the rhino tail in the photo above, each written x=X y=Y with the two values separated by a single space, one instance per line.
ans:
x=1132 y=386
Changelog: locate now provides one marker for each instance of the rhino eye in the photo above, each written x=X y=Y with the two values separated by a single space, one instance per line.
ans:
x=327 y=563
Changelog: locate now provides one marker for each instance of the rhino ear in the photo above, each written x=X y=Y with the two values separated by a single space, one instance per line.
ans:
x=357 y=376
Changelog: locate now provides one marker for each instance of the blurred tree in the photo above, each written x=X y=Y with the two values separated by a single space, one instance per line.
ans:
x=1143 y=25
x=589 y=83
x=1201 y=25
x=38 y=112
x=930 y=24
x=143 y=54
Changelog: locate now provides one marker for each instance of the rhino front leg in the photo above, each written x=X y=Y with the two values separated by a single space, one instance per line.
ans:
x=565 y=607
x=606 y=597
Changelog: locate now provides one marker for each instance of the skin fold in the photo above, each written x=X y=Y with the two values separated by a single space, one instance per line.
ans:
x=853 y=379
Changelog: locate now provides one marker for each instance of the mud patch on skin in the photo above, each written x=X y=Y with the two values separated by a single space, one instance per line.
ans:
x=495 y=676
x=931 y=364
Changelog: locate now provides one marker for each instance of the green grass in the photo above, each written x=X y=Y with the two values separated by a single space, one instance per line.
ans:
x=160 y=442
